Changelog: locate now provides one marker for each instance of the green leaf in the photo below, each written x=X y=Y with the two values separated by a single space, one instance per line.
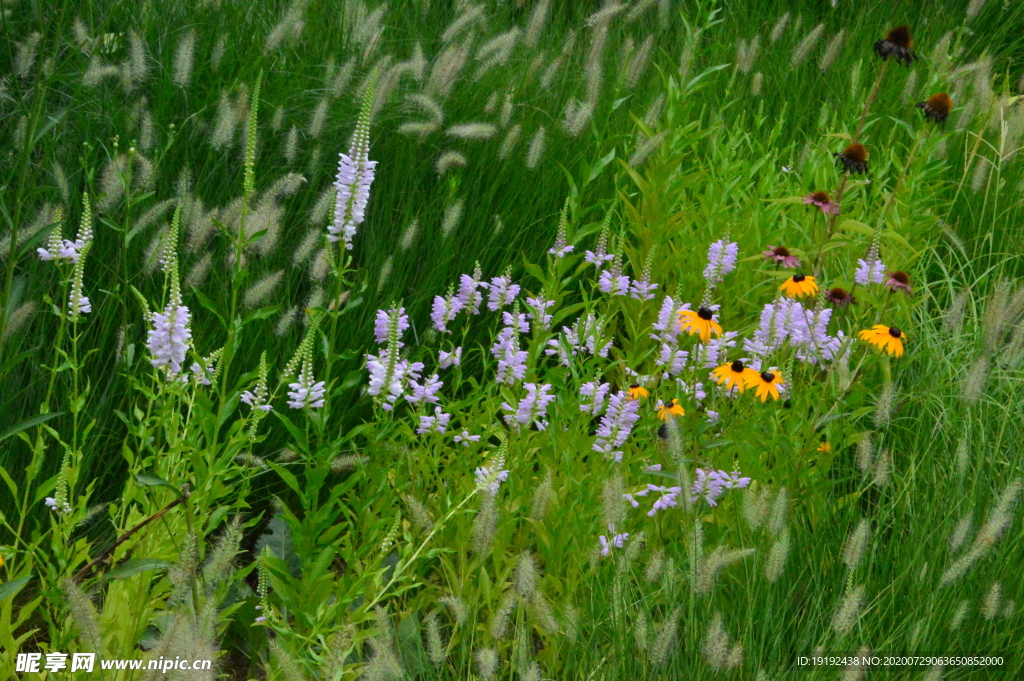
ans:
x=11 y=588
x=48 y=126
x=600 y=166
x=27 y=423
x=828 y=419
x=136 y=565
x=150 y=480
x=856 y=226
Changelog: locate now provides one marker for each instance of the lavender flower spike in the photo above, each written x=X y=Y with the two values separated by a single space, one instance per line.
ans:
x=305 y=392
x=870 y=270
x=168 y=339
x=721 y=260
x=355 y=174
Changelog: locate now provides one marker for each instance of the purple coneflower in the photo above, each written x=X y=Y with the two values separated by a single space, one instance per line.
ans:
x=840 y=297
x=781 y=254
x=822 y=201
x=898 y=281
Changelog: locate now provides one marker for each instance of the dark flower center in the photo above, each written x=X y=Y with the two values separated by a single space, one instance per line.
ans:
x=704 y=314
x=799 y=277
x=737 y=366
x=837 y=294
x=820 y=197
x=855 y=153
x=634 y=386
x=767 y=377
x=901 y=277
x=895 y=332
x=899 y=36
x=941 y=103
x=781 y=251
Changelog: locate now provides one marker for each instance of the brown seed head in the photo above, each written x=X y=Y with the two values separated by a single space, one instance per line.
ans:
x=940 y=103
x=856 y=153
x=900 y=36
x=820 y=197
x=737 y=366
x=901 y=277
x=781 y=251
x=895 y=332
x=799 y=277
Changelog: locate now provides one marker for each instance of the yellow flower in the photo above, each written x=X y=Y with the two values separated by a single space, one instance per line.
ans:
x=735 y=374
x=888 y=338
x=636 y=391
x=670 y=409
x=799 y=285
x=699 y=322
x=767 y=383
x=825 y=447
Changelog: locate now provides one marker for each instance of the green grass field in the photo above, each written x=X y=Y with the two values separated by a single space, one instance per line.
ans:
x=225 y=437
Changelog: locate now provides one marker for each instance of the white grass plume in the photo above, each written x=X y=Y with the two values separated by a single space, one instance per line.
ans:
x=262 y=289
x=452 y=217
x=224 y=130
x=508 y=144
x=536 y=23
x=746 y=54
x=832 y=50
x=804 y=47
x=648 y=148
x=576 y=117
x=536 y=151
x=638 y=63
x=467 y=18
x=780 y=27
x=319 y=118
x=18 y=319
x=448 y=160
x=848 y=612
x=183 y=60
x=472 y=131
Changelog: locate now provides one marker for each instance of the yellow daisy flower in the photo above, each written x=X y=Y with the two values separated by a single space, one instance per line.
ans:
x=735 y=374
x=636 y=391
x=799 y=285
x=767 y=383
x=888 y=338
x=825 y=447
x=670 y=409
x=699 y=322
